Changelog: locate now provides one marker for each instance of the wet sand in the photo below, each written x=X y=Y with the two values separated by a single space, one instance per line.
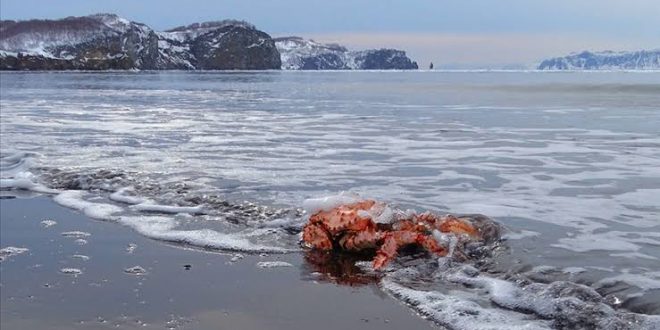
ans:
x=182 y=289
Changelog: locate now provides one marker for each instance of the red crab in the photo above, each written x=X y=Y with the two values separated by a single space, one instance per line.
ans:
x=351 y=227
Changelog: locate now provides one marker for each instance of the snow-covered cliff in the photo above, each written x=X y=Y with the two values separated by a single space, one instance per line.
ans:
x=607 y=60
x=107 y=41
x=101 y=41
x=302 y=54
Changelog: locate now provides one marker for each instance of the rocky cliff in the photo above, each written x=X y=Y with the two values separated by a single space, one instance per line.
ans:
x=607 y=60
x=106 y=41
x=223 y=45
x=301 y=54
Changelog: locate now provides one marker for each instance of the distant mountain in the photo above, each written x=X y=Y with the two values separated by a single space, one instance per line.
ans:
x=302 y=54
x=607 y=60
x=107 y=41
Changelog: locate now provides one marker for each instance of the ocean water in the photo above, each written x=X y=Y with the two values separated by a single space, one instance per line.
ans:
x=568 y=163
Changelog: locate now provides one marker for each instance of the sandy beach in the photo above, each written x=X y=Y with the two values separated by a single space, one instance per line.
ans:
x=181 y=289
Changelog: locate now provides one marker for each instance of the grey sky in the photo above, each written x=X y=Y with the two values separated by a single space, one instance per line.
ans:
x=463 y=32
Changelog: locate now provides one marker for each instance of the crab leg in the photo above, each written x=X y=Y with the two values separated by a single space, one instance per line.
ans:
x=452 y=224
x=397 y=239
x=361 y=240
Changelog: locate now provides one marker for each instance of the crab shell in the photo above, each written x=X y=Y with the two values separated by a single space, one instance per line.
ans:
x=350 y=228
x=326 y=227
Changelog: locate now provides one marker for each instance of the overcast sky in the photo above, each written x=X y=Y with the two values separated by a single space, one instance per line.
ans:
x=448 y=32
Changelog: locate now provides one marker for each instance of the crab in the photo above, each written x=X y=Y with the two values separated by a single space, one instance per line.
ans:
x=356 y=227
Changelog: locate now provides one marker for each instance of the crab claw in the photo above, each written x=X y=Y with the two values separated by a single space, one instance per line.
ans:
x=316 y=237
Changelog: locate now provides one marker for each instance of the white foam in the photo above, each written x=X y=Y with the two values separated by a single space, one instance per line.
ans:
x=212 y=239
x=130 y=248
x=11 y=251
x=379 y=212
x=456 y=313
x=446 y=239
x=574 y=270
x=273 y=264
x=641 y=198
x=74 y=199
x=570 y=302
x=236 y=257
x=609 y=241
x=15 y=173
x=149 y=207
x=135 y=270
x=76 y=234
x=71 y=271
x=647 y=281
x=17 y=184
x=120 y=196
x=162 y=228
x=25 y=183
x=633 y=255
x=284 y=222
x=80 y=257
x=520 y=234
x=15 y=158
x=148 y=225
x=48 y=223
x=314 y=205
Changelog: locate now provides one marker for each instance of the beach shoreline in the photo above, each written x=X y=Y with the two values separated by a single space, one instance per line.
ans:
x=180 y=288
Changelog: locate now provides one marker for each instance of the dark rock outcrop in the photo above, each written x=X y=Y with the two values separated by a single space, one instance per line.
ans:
x=325 y=61
x=301 y=54
x=607 y=60
x=235 y=47
x=106 y=41
x=38 y=62
x=384 y=59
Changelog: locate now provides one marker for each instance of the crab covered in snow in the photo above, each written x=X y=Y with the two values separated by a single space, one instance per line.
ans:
x=348 y=223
